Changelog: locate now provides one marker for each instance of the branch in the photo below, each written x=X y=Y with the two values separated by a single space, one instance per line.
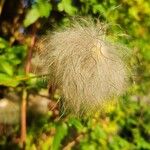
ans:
x=24 y=95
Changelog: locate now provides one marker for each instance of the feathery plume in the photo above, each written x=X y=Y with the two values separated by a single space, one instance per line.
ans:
x=84 y=64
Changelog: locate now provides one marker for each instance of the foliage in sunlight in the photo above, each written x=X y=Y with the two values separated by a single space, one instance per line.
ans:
x=126 y=125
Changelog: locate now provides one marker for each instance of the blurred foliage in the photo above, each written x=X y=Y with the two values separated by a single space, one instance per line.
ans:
x=126 y=126
x=41 y=8
x=11 y=67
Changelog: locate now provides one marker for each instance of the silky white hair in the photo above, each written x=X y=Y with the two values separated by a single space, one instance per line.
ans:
x=88 y=68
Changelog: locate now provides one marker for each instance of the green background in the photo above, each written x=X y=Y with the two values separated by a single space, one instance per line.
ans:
x=125 y=127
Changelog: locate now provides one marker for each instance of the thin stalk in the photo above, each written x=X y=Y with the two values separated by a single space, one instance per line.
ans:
x=24 y=96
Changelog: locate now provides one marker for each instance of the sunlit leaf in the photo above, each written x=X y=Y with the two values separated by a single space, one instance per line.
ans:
x=8 y=81
x=75 y=122
x=47 y=144
x=40 y=9
x=61 y=131
x=44 y=8
x=6 y=67
x=66 y=5
x=3 y=43
x=31 y=16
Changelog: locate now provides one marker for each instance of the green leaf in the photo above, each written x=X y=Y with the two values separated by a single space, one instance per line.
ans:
x=31 y=16
x=46 y=144
x=6 y=67
x=66 y=5
x=3 y=43
x=76 y=123
x=99 y=9
x=61 y=131
x=40 y=9
x=98 y=133
x=133 y=11
x=8 y=81
x=44 y=8
x=146 y=54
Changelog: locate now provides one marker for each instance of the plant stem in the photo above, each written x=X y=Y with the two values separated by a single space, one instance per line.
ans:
x=24 y=96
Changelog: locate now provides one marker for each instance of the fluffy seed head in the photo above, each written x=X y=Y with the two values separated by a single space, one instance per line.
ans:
x=87 y=68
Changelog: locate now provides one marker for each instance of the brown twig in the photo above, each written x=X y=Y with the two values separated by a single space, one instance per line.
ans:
x=72 y=143
x=24 y=97
x=1 y=5
x=23 y=119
